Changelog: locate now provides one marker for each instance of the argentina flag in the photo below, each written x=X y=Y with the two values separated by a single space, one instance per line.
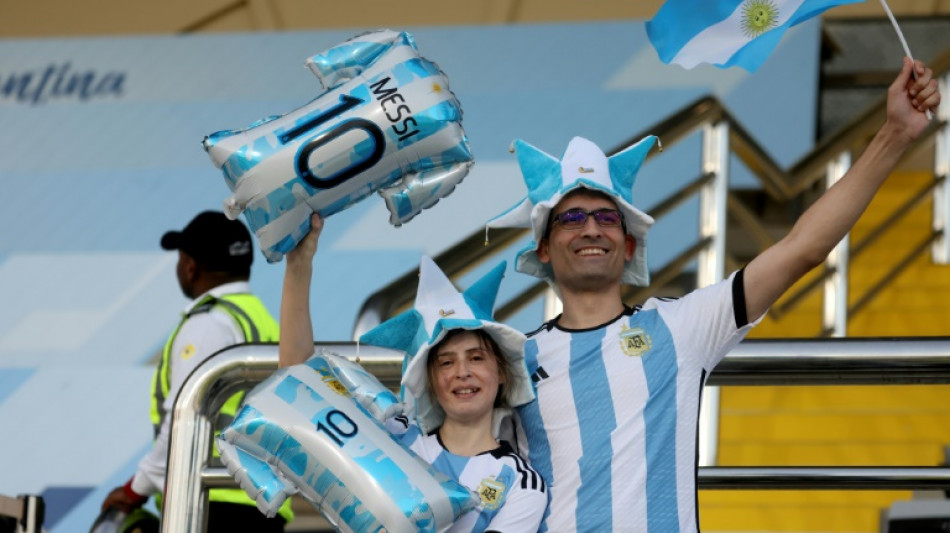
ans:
x=727 y=32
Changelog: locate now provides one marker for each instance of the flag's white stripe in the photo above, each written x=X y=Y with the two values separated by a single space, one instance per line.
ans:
x=719 y=42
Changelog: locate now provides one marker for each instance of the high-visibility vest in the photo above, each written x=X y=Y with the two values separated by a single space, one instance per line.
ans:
x=257 y=325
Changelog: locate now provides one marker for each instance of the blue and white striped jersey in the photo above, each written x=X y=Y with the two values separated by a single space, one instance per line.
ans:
x=513 y=495
x=614 y=427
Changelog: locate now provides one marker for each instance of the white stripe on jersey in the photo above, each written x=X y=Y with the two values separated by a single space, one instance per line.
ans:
x=627 y=388
x=559 y=415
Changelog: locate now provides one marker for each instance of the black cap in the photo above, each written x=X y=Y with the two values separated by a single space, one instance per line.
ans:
x=214 y=241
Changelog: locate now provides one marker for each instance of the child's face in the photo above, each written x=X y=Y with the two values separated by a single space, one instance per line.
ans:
x=465 y=378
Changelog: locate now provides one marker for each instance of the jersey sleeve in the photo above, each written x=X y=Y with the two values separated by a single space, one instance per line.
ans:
x=200 y=337
x=707 y=322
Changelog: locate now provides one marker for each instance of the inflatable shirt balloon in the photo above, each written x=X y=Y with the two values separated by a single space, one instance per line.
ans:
x=381 y=403
x=387 y=123
x=301 y=430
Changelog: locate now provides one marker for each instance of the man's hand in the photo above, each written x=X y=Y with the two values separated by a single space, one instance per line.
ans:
x=909 y=100
x=124 y=498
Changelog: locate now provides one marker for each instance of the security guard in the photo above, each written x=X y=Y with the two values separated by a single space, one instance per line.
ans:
x=214 y=265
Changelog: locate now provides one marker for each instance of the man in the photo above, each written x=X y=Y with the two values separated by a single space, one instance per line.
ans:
x=214 y=266
x=614 y=426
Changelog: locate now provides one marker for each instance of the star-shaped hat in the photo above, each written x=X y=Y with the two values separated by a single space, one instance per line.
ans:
x=440 y=308
x=583 y=165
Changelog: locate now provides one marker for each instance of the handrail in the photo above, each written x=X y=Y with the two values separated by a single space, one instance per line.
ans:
x=840 y=361
x=205 y=390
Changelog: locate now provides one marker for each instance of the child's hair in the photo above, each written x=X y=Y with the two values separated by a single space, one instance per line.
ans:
x=488 y=343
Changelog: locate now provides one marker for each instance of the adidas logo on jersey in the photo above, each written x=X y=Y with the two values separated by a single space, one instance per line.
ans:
x=539 y=374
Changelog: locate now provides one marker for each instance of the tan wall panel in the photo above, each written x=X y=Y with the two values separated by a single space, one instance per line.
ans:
x=48 y=18
x=240 y=19
x=45 y=18
x=372 y=14
x=558 y=11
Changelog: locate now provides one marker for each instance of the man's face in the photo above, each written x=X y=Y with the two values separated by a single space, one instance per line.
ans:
x=185 y=271
x=589 y=258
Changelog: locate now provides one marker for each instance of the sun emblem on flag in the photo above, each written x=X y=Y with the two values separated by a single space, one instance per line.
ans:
x=758 y=17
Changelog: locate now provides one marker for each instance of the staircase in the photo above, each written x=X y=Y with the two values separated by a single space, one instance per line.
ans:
x=843 y=426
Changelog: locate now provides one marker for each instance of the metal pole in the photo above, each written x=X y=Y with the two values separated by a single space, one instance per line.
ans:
x=838 y=361
x=835 y=300
x=825 y=478
x=712 y=261
x=941 y=207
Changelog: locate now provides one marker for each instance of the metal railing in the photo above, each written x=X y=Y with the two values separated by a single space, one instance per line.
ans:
x=889 y=361
x=23 y=514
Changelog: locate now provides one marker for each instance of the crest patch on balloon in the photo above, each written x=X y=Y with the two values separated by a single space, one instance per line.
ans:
x=386 y=122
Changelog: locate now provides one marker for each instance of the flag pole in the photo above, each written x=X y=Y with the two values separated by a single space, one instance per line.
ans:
x=900 y=35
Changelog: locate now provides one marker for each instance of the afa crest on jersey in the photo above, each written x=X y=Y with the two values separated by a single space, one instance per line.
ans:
x=492 y=493
x=635 y=342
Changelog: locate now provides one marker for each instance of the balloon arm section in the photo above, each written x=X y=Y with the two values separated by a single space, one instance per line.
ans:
x=421 y=191
x=262 y=481
x=344 y=62
x=380 y=402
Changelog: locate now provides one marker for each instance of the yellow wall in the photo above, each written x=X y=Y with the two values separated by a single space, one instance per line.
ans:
x=842 y=425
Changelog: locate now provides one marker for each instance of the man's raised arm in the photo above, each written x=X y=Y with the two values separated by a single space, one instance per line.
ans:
x=828 y=220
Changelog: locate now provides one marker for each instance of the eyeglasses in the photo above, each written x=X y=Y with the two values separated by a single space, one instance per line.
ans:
x=577 y=218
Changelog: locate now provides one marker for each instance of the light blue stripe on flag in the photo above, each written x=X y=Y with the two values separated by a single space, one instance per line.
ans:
x=727 y=32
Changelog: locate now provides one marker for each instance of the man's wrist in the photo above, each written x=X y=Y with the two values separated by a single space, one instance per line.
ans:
x=134 y=497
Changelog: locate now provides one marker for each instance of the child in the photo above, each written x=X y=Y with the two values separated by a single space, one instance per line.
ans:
x=464 y=371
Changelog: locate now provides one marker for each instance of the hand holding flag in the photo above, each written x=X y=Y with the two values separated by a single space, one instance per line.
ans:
x=910 y=99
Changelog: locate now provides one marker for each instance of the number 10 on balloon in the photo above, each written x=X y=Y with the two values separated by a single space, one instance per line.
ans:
x=338 y=426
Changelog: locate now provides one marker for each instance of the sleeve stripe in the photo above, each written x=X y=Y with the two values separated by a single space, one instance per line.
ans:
x=738 y=300
x=537 y=483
